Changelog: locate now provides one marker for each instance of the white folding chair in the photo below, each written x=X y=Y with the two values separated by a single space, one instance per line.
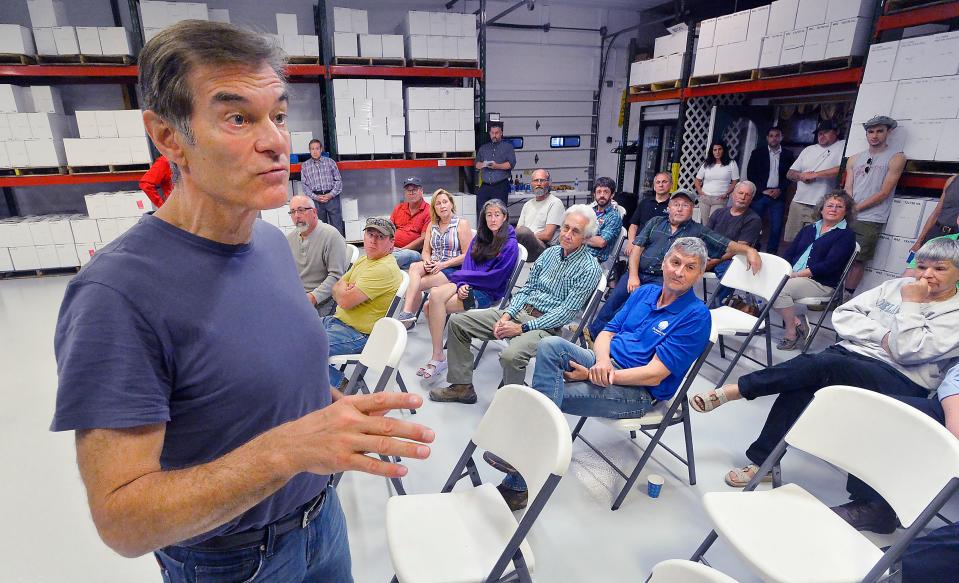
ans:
x=727 y=321
x=663 y=415
x=679 y=571
x=707 y=277
x=614 y=256
x=399 y=296
x=786 y=534
x=831 y=301
x=471 y=535
x=382 y=353
x=354 y=254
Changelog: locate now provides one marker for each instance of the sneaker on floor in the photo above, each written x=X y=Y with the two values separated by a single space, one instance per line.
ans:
x=876 y=516
x=498 y=463
x=454 y=394
x=515 y=499
x=788 y=344
x=407 y=318
x=816 y=307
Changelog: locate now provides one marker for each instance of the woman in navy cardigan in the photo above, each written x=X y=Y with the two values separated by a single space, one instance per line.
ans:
x=818 y=255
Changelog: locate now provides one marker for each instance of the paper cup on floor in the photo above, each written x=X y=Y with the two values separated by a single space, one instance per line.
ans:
x=654 y=485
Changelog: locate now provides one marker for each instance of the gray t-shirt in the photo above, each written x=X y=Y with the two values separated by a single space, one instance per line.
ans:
x=320 y=260
x=866 y=183
x=746 y=227
x=536 y=214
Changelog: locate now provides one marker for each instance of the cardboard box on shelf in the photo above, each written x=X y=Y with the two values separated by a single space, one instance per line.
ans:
x=898 y=253
x=345 y=44
x=933 y=98
x=843 y=9
x=758 y=23
x=24 y=258
x=880 y=62
x=417 y=22
x=346 y=144
x=814 y=46
x=731 y=28
x=921 y=138
x=793 y=43
x=65 y=37
x=6 y=264
x=741 y=56
x=14 y=98
x=351 y=209
x=286 y=24
x=437 y=23
x=782 y=16
x=771 y=51
x=435 y=47
x=360 y=21
x=354 y=230
x=357 y=89
x=945 y=47
x=342 y=19
x=811 y=13
x=393 y=46
x=707 y=33
x=47 y=13
x=311 y=45
x=85 y=252
x=914 y=59
x=948 y=148
x=88 y=37
x=376 y=88
x=45 y=45
x=47 y=255
x=17 y=40
x=115 y=41
x=904 y=217
x=46 y=99
x=417 y=46
x=67 y=255
x=465 y=141
x=364 y=143
x=874 y=99
x=129 y=123
x=371 y=45
x=45 y=152
x=85 y=230
x=219 y=15
x=848 y=37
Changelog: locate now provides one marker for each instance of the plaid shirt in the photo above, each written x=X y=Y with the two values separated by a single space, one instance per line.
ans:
x=320 y=176
x=657 y=236
x=610 y=224
x=557 y=286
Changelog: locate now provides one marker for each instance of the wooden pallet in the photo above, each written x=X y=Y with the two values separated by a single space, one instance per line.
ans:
x=780 y=71
x=39 y=272
x=666 y=85
x=932 y=167
x=40 y=171
x=13 y=59
x=441 y=155
x=303 y=60
x=455 y=63
x=8 y=172
x=834 y=64
x=893 y=6
x=703 y=80
x=347 y=157
x=58 y=59
x=370 y=61
x=735 y=77
x=108 y=168
x=85 y=59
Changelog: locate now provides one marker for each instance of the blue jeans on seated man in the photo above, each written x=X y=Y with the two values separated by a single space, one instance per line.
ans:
x=343 y=340
x=406 y=257
x=581 y=398
x=722 y=292
x=616 y=299
x=318 y=553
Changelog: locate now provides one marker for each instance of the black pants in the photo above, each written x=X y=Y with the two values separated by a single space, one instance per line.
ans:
x=331 y=213
x=487 y=192
x=797 y=380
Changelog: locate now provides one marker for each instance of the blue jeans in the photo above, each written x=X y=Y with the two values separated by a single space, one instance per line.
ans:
x=722 y=292
x=582 y=398
x=318 y=553
x=343 y=340
x=777 y=211
x=406 y=257
x=615 y=301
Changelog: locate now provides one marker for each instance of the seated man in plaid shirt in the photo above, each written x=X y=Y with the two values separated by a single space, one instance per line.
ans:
x=559 y=284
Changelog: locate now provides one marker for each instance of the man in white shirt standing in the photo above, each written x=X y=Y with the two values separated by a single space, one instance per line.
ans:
x=539 y=221
x=814 y=172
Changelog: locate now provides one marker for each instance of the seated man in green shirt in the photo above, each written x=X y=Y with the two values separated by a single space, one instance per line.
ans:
x=364 y=294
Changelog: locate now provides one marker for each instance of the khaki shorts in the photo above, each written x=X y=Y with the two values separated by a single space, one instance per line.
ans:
x=799 y=216
x=799 y=288
x=867 y=235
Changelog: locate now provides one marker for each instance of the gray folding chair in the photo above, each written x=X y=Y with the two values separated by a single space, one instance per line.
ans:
x=382 y=352
x=662 y=416
x=831 y=302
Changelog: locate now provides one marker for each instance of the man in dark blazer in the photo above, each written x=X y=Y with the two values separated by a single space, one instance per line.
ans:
x=770 y=185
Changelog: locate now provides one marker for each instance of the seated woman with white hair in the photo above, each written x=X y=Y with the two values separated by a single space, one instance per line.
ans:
x=897 y=339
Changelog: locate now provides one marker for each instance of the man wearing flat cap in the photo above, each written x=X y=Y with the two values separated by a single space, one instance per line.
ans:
x=871 y=180
x=814 y=172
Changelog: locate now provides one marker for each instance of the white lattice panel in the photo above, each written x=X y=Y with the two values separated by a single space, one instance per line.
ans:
x=696 y=134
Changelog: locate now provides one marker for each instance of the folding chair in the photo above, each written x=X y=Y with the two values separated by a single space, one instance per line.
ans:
x=382 y=352
x=614 y=256
x=354 y=254
x=679 y=571
x=707 y=277
x=786 y=534
x=727 y=321
x=471 y=535
x=663 y=415
x=399 y=296
x=831 y=302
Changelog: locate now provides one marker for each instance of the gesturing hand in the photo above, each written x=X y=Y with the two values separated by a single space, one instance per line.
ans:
x=336 y=438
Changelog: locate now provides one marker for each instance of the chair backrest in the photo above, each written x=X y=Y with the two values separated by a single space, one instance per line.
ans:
x=763 y=284
x=681 y=571
x=400 y=294
x=901 y=452
x=524 y=427
x=521 y=257
x=617 y=248
x=845 y=271
x=354 y=254
x=621 y=210
x=385 y=346
x=693 y=369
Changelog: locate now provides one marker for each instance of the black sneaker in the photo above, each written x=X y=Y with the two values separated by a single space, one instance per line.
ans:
x=499 y=463
x=515 y=499
x=454 y=394
x=877 y=516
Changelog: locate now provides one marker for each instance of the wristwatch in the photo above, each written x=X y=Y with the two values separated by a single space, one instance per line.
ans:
x=526 y=327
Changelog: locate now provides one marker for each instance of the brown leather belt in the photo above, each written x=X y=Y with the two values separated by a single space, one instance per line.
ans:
x=532 y=311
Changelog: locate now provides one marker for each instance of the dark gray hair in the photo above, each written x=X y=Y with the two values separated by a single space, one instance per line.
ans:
x=168 y=59
x=939 y=249
x=690 y=246
x=587 y=213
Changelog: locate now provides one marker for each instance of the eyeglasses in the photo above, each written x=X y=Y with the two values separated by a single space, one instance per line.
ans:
x=301 y=210
x=868 y=164
x=834 y=207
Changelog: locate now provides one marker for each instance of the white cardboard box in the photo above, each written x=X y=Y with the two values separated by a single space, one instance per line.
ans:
x=465 y=141
x=85 y=252
x=811 y=13
x=25 y=258
x=345 y=44
x=417 y=46
x=848 y=37
x=129 y=123
x=87 y=124
x=793 y=43
x=741 y=56
x=311 y=45
x=376 y=89
x=771 y=51
x=45 y=152
x=46 y=99
x=880 y=62
x=437 y=23
x=450 y=47
x=346 y=144
x=435 y=48
x=6 y=264
x=14 y=98
x=948 y=148
x=45 y=44
x=843 y=9
x=115 y=40
x=933 y=98
x=15 y=233
x=364 y=143
x=360 y=21
x=46 y=13
x=392 y=45
x=67 y=255
x=88 y=38
x=904 y=217
x=357 y=88
x=16 y=39
x=85 y=230
x=219 y=14
x=65 y=37
x=47 y=255
x=707 y=33
x=874 y=99
x=382 y=144
x=705 y=61
x=758 y=23
x=921 y=138
x=782 y=16
x=731 y=28
x=814 y=47
x=417 y=22
x=293 y=44
x=286 y=24
x=351 y=209
x=342 y=19
x=354 y=230
x=341 y=89
x=371 y=45
x=467 y=49
x=945 y=47
x=914 y=59
x=418 y=120
x=39 y=230
x=393 y=90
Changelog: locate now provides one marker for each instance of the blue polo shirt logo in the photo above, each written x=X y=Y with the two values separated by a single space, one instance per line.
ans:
x=661 y=327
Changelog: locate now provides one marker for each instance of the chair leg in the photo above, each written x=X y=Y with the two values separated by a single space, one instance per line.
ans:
x=479 y=355
x=739 y=354
x=722 y=347
x=688 y=436
x=769 y=343
x=402 y=385
x=631 y=481
x=710 y=539
x=422 y=303
x=815 y=330
x=579 y=426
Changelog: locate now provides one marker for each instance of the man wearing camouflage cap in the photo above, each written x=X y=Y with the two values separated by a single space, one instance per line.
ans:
x=871 y=179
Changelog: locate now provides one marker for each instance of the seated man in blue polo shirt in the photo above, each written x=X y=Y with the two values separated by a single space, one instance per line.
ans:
x=639 y=358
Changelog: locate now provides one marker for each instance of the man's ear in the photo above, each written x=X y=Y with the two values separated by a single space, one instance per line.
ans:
x=165 y=137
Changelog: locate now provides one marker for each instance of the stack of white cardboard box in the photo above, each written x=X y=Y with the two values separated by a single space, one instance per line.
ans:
x=53 y=36
x=786 y=32
x=667 y=62
x=369 y=116
x=440 y=35
x=466 y=207
x=300 y=142
x=291 y=41
x=440 y=119
x=155 y=15
x=115 y=137
x=33 y=127
x=279 y=218
x=55 y=241
x=352 y=38
x=916 y=82
x=906 y=220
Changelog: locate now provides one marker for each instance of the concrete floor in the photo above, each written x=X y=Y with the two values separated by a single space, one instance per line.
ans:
x=49 y=537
